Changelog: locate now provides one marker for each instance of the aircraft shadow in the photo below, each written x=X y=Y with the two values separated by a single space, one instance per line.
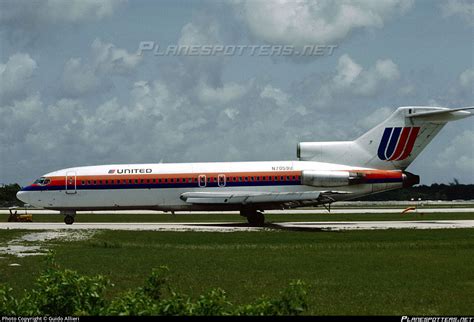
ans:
x=271 y=226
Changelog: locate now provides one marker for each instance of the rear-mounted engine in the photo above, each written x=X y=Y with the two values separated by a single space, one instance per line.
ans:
x=331 y=178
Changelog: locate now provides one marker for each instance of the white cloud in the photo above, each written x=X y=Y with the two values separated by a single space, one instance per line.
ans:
x=305 y=22
x=466 y=79
x=200 y=33
x=203 y=30
x=78 y=10
x=407 y=90
x=41 y=23
x=15 y=76
x=374 y=118
x=387 y=69
x=464 y=9
x=459 y=153
x=347 y=71
x=220 y=95
x=81 y=78
x=109 y=59
x=280 y=97
x=30 y=14
x=352 y=79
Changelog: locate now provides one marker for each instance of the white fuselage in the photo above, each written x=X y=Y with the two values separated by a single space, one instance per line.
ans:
x=160 y=186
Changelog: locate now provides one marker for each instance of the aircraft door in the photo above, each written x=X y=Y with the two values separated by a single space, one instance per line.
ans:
x=71 y=182
x=221 y=180
x=202 y=180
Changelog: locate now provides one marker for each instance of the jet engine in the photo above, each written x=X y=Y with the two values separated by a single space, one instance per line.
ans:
x=331 y=178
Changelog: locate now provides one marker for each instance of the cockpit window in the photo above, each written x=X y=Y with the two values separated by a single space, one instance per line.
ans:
x=43 y=181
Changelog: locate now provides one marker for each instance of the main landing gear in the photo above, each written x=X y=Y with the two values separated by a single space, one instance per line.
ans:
x=69 y=217
x=254 y=217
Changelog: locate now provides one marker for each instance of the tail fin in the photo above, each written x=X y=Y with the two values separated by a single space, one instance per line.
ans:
x=393 y=144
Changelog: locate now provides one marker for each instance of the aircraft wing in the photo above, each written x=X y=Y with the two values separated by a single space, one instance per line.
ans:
x=288 y=199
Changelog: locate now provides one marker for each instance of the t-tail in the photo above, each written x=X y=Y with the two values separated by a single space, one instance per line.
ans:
x=391 y=145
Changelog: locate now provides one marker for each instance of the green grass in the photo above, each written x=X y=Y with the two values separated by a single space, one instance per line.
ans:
x=400 y=272
x=218 y=217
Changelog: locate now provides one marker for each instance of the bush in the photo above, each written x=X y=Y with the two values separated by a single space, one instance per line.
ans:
x=63 y=292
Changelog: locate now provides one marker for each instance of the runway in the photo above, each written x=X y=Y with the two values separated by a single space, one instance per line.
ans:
x=362 y=210
x=233 y=226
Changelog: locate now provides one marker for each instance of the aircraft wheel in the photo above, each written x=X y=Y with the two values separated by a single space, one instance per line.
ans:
x=256 y=219
x=69 y=220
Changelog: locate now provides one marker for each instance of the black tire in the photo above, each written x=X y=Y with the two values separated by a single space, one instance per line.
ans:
x=69 y=220
x=256 y=219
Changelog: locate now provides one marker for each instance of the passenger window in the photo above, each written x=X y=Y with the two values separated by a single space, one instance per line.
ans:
x=83 y=182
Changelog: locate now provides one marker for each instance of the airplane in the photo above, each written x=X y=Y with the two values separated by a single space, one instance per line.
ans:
x=325 y=172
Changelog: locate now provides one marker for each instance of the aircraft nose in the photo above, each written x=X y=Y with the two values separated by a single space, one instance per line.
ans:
x=23 y=196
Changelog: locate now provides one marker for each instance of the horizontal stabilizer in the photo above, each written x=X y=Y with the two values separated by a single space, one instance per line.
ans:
x=444 y=115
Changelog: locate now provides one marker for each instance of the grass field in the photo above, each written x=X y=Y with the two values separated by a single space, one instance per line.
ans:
x=413 y=272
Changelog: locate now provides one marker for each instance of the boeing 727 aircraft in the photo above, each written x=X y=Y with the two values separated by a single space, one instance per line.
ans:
x=325 y=172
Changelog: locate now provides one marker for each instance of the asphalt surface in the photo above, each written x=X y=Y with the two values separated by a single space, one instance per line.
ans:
x=380 y=210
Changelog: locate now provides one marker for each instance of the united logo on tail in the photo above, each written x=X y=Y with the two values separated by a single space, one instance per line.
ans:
x=397 y=143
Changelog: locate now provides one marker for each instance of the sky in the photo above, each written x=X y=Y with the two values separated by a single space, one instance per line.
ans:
x=77 y=88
